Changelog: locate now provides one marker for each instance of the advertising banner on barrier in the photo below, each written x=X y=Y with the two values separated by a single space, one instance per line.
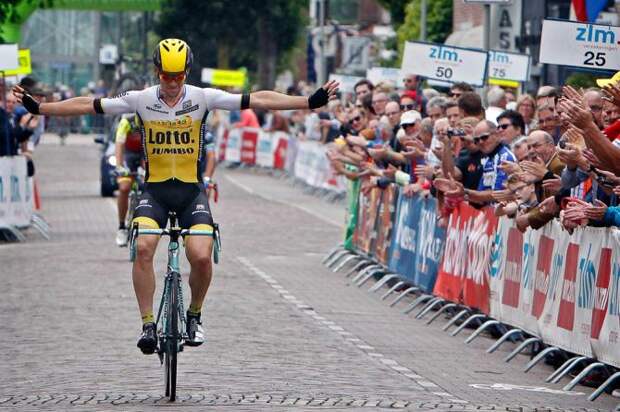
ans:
x=365 y=230
x=264 y=150
x=233 y=146
x=605 y=334
x=15 y=192
x=312 y=167
x=520 y=265
x=385 y=217
x=430 y=245
x=405 y=236
x=249 y=144
x=567 y=316
x=279 y=145
x=221 y=140
x=464 y=272
x=417 y=241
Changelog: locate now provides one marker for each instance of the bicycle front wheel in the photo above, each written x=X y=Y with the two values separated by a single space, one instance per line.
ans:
x=172 y=337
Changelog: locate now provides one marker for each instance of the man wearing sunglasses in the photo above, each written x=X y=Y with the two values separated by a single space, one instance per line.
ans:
x=494 y=153
x=173 y=115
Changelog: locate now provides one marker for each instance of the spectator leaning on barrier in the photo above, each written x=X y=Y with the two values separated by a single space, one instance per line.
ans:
x=543 y=170
x=511 y=126
x=467 y=166
x=496 y=99
x=494 y=152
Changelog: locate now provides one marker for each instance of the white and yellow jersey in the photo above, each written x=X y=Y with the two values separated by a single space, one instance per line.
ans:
x=172 y=137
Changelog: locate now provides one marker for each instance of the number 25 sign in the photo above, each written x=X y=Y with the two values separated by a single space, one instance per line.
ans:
x=447 y=63
x=571 y=43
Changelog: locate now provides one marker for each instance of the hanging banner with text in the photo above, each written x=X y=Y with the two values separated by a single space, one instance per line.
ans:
x=570 y=43
x=446 y=63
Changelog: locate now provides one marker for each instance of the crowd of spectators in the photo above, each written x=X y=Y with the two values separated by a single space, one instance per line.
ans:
x=531 y=158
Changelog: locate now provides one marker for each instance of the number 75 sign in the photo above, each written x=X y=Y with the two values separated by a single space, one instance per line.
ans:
x=571 y=43
x=456 y=64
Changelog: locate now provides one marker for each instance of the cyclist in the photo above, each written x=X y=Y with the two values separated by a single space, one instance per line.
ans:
x=172 y=115
x=129 y=155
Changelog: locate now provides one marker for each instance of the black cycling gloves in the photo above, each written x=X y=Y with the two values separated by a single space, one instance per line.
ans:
x=318 y=99
x=30 y=104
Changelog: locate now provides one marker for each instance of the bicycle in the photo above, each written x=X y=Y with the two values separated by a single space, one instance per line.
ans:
x=171 y=321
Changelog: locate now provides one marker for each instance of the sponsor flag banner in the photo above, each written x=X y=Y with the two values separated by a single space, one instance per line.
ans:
x=383 y=225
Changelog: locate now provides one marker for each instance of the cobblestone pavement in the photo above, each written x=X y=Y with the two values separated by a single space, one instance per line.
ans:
x=283 y=332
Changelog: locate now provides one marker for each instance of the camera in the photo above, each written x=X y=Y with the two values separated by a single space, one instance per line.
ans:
x=453 y=132
x=562 y=144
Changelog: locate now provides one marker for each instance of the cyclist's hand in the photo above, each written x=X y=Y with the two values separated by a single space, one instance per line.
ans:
x=121 y=171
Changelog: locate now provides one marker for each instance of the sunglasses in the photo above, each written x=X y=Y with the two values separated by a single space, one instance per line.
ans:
x=407 y=106
x=504 y=126
x=356 y=119
x=408 y=125
x=172 y=77
x=457 y=95
x=482 y=138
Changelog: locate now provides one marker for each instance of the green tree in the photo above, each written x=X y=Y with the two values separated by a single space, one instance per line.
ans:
x=9 y=13
x=438 y=22
x=240 y=33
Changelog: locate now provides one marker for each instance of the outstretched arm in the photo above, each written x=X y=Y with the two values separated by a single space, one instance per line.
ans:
x=267 y=99
x=69 y=107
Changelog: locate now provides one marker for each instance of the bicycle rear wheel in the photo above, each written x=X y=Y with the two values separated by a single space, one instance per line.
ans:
x=172 y=337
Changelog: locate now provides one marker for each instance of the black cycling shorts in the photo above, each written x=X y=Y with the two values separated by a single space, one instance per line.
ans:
x=188 y=200
x=133 y=160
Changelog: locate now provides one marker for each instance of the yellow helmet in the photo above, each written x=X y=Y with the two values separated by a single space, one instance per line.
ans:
x=172 y=56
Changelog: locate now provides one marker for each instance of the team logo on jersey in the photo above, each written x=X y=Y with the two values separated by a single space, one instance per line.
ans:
x=200 y=207
x=157 y=106
x=187 y=104
x=188 y=110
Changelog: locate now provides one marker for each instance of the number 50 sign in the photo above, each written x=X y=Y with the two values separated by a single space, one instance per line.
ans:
x=447 y=63
x=570 y=43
